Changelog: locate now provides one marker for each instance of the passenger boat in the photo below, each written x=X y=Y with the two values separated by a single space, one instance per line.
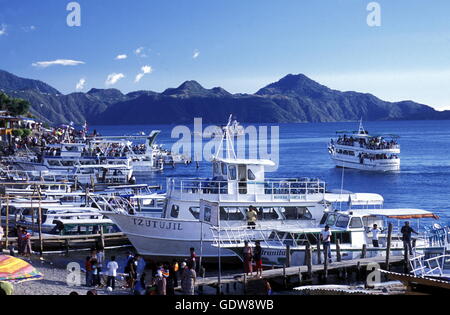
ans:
x=236 y=185
x=56 y=218
x=144 y=157
x=362 y=151
x=351 y=228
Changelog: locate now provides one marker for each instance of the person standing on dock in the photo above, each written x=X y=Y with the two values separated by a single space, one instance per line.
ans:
x=406 y=232
x=112 y=273
x=188 y=278
x=89 y=273
x=257 y=257
x=193 y=258
x=375 y=239
x=325 y=237
x=248 y=258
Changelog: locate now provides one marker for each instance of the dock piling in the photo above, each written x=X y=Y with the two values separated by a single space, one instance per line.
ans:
x=388 y=247
x=364 y=251
x=338 y=250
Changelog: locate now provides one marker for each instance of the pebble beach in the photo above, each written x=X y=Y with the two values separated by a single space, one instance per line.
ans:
x=54 y=280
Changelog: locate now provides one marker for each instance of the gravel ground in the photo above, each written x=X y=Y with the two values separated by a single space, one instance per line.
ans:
x=55 y=280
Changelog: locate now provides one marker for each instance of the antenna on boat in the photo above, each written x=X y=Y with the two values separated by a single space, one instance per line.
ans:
x=362 y=130
x=342 y=186
x=228 y=139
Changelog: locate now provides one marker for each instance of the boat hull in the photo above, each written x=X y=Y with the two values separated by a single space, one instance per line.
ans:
x=390 y=166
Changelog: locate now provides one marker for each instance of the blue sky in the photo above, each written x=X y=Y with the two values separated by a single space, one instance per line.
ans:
x=241 y=45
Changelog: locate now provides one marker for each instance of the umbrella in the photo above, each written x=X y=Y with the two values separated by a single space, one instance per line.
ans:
x=17 y=270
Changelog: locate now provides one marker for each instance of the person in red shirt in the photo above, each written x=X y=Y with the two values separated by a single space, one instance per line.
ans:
x=89 y=272
x=193 y=259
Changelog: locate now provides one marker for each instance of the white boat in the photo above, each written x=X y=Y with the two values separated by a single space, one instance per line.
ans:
x=359 y=150
x=144 y=157
x=236 y=185
x=351 y=228
x=55 y=217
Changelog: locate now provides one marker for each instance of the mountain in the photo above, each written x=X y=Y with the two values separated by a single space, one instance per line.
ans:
x=9 y=82
x=294 y=98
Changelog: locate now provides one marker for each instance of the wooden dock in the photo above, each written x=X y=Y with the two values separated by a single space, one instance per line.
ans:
x=292 y=276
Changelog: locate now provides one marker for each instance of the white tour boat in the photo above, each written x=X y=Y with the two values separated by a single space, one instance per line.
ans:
x=236 y=185
x=351 y=228
x=359 y=150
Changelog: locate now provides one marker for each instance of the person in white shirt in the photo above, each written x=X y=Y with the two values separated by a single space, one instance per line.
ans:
x=325 y=237
x=112 y=272
x=375 y=238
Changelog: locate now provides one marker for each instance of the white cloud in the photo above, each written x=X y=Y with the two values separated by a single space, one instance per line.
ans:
x=2 y=29
x=113 y=78
x=30 y=28
x=121 y=57
x=196 y=54
x=147 y=69
x=80 y=84
x=140 y=52
x=144 y=70
x=60 y=62
x=139 y=77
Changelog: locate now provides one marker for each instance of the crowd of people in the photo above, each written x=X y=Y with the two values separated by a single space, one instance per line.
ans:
x=373 y=143
x=156 y=278
x=40 y=137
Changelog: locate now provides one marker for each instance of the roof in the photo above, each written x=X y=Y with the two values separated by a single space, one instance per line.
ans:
x=402 y=214
x=246 y=161
x=358 y=199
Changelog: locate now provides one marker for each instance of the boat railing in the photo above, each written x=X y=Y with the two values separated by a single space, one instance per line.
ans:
x=270 y=187
x=434 y=266
x=235 y=236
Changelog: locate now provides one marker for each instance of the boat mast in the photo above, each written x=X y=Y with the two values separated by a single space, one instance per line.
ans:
x=228 y=139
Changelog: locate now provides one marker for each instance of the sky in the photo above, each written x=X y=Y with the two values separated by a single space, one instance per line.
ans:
x=240 y=45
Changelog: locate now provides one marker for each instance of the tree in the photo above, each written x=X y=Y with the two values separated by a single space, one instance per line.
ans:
x=18 y=133
x=16 y=106
x=26 y=133
x=19 y=107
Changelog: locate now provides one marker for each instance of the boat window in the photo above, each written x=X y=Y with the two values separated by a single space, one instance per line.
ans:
x=53 y=163
x=324 y=219
x=242 y=173
x=231 y=214
x=342 y=221
x=267 y=214
x=216 y=168
x=232 y=175
x=251 y=175
x=297 y=213
x=224 y=169
x=343 y=237
x=175 y=212
x=356 y=223
x=195 y=211
x=331 y=220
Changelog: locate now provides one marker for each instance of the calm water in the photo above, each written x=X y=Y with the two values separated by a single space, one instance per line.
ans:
x=424 y=181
